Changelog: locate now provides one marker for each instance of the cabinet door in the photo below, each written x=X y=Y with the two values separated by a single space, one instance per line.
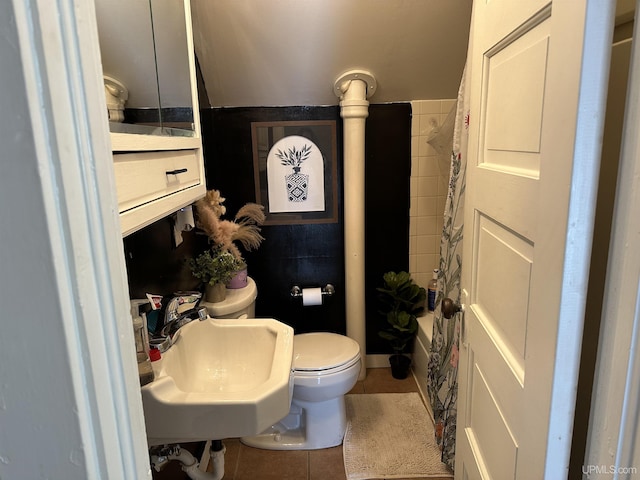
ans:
x=152 y=184
x=153 y=79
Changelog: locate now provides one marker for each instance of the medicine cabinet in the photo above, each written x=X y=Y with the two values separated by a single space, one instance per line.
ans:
x=148 y=63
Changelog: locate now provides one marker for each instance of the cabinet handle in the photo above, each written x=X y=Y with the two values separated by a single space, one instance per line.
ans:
x=176 y=172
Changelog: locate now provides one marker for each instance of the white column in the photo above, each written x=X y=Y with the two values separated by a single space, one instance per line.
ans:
x=353 y=88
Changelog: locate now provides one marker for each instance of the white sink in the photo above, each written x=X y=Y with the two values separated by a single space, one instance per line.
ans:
x=221 y=378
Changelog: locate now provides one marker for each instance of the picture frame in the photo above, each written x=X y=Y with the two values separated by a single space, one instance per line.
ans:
x=295 y=171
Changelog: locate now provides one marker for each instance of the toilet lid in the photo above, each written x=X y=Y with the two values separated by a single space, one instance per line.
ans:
x=322 y=351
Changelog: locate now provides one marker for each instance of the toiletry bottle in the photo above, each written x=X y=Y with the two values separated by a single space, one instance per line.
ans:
x=145 y=371
x=432 y=291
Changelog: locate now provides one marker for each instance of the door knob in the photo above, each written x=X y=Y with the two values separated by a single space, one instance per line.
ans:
x=450 y=308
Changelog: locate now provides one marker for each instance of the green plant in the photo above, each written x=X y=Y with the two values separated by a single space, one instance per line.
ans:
x=401 y=301
x=215 y=266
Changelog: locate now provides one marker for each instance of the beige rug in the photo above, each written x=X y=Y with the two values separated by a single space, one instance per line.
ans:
x=390 y=435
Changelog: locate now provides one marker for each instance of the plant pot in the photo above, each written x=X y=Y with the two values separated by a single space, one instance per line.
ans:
x=400 y=365
x=215 y=293
x=239 y=280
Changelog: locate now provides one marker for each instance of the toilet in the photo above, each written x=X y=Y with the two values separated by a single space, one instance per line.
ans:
x=238 y=303
x=325 y=367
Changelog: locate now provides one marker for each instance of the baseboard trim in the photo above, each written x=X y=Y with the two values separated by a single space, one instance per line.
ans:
x=378 y=360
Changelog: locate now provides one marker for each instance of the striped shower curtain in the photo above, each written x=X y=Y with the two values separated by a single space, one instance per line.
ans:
x=443 y=363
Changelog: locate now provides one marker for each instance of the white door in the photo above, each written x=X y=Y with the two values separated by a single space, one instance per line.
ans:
x=531 y=179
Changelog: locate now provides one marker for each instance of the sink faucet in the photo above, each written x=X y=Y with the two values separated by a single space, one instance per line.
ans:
x=173 y=319
x=173 y=326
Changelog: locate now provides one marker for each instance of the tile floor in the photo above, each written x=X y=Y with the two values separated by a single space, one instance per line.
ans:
x=246 y=463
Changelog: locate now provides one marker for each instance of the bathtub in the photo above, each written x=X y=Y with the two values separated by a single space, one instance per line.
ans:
x=421 y=349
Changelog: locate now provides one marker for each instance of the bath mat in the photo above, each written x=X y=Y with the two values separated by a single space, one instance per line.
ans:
x=390 y=435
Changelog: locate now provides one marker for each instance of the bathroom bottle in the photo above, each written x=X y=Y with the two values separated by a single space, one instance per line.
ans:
x=432 y=291
x=145 y=370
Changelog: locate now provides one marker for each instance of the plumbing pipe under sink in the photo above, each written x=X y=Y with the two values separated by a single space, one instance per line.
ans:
x=189 y=464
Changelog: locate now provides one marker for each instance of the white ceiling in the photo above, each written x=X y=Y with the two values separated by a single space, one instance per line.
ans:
x=290 y=52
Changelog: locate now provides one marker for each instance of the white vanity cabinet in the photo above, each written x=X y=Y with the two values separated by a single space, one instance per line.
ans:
x=151 y=185
x=157 y=153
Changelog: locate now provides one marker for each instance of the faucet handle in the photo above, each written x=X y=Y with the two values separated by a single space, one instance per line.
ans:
x=203 y=313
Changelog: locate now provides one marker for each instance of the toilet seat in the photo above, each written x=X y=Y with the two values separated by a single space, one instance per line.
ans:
x=322 y=353
x=299 y=374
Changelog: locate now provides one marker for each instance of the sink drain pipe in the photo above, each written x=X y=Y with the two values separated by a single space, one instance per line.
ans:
x=190 y=465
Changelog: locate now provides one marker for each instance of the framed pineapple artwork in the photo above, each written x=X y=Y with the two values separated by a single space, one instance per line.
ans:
x=295 y=171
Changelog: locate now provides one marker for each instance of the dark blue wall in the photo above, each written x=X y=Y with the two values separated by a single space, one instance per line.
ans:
x=313 y=254
x=307 y=254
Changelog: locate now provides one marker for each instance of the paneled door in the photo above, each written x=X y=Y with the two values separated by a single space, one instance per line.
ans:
x=532 y=172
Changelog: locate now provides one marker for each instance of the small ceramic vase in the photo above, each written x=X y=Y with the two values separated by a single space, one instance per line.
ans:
x=215 y=293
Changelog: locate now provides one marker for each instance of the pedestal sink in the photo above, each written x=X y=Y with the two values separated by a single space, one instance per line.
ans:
x=221 y=378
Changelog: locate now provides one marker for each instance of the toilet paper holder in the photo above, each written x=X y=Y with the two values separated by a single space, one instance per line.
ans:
x=327 y=290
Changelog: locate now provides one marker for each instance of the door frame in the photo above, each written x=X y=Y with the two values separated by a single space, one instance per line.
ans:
x=599 y=23
x=613 y=423
x=84 y=421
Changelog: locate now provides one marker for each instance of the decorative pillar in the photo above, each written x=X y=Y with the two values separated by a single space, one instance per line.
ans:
x=353 y=88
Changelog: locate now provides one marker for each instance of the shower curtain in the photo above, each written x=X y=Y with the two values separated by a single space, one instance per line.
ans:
x=443 y=363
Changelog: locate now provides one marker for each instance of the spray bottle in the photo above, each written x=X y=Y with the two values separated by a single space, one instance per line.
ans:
x=432 y=291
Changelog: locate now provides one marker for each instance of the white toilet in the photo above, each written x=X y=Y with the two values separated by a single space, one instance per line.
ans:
x=325 y=367
x=238 y=303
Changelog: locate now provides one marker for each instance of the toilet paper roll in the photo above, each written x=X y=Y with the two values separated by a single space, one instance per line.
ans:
x=311 y=296
x=184 y=219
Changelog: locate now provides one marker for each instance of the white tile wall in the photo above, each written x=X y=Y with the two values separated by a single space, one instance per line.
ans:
x=429 y=180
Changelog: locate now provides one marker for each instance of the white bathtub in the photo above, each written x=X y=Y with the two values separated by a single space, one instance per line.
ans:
x=421 y=351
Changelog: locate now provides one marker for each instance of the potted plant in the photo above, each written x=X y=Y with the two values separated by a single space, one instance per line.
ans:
x=215 y=268
x=244 y=228
x=240 y=276
x=401 y=301
x=224 y=263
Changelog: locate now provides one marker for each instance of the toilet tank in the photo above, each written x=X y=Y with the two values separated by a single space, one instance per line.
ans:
x=239 y=302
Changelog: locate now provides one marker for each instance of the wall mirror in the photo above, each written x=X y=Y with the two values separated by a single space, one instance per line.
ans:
x=145 y=61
